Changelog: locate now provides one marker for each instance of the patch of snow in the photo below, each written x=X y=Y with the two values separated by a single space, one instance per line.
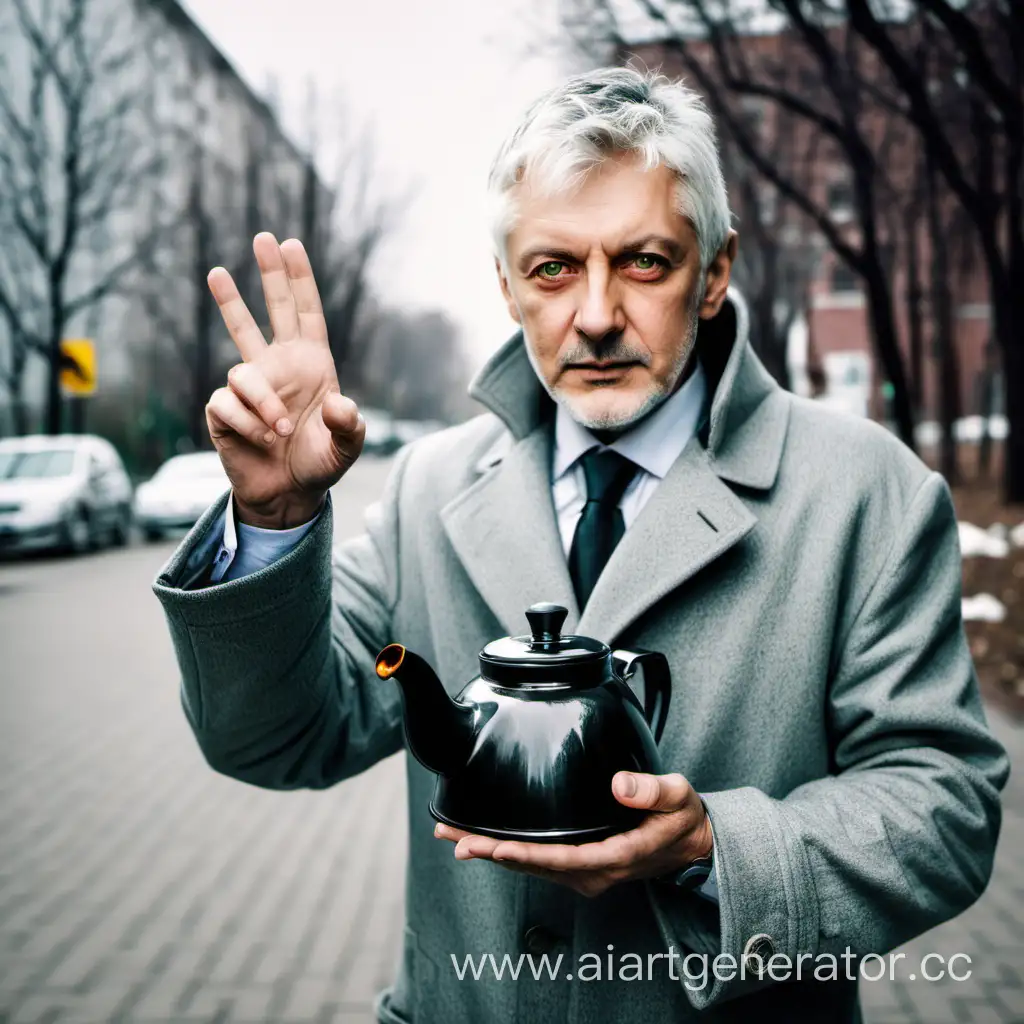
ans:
x=982 y=608
x=975 y=541
x=970 y=428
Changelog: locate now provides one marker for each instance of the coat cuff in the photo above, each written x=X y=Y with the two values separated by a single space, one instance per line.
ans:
x=227 y=636
x=304 y=567
x=767 y=903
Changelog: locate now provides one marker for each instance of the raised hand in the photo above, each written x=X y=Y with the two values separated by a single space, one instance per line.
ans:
x=284 y=431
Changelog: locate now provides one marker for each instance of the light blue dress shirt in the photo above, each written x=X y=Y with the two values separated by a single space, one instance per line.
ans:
x=654 y=444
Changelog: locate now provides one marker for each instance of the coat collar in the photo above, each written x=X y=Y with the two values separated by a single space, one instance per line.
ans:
x=743 y=433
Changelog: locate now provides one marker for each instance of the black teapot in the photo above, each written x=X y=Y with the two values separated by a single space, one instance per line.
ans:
x=528 y=749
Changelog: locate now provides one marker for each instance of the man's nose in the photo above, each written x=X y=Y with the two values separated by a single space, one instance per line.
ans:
x=600 y=313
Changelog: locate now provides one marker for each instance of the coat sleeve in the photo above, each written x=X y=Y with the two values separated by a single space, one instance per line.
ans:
x=277 y=668
x=901 y=835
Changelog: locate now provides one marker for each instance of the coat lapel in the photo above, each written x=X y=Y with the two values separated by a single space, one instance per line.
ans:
x=689 y=521
x=504 y=531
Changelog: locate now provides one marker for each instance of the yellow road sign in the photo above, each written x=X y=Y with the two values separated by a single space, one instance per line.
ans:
x=78 y=366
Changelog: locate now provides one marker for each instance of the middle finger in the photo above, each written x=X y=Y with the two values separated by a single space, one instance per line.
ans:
x=303 y=285
x=284 y=317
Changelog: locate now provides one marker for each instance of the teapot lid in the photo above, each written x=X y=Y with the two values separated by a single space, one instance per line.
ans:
x=545 y=655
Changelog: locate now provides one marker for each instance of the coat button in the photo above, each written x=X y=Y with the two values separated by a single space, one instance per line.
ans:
x=538 y=939
x=760 y=948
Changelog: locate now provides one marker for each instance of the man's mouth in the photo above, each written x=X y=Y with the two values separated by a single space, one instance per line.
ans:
x=612 y=365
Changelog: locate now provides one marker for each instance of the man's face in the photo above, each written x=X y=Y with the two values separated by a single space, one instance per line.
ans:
x=607 y=286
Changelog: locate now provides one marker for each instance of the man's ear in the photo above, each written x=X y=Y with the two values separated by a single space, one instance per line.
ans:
x=716 y=280
x=506 y=291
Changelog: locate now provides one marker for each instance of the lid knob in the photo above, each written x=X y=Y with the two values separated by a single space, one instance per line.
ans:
x=546 y=621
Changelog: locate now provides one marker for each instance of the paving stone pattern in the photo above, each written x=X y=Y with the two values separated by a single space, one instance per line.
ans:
x=137 y=885
x=991 y=933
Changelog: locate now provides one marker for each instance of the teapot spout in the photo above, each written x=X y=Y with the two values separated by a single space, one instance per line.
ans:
x=440 y=731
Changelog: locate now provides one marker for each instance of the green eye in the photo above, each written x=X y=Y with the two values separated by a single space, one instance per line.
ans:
x=644 y=263
x=550 y=269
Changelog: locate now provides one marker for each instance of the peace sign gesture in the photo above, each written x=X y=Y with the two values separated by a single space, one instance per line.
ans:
x=284 y=431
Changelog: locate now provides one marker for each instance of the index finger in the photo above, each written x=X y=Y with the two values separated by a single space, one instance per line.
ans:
x=244 y=330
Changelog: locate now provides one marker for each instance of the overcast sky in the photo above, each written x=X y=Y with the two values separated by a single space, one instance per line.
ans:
x=443 y=81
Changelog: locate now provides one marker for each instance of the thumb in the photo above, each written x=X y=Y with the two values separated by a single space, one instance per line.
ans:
x=651 y=792
x=342 y=418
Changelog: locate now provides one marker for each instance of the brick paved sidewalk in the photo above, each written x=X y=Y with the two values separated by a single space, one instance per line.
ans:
x=991 y=933
x=136 y=884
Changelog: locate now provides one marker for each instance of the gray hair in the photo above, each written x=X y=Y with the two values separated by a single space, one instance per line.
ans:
x=589 y=117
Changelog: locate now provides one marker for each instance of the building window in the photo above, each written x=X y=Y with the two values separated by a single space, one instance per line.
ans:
x=844 y=280
x=767 y=200
x=839 y=197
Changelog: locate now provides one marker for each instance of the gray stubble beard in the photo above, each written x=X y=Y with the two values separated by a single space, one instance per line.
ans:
x=652 y=400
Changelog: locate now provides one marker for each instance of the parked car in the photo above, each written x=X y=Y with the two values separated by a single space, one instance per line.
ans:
x=380 y=438
x=66 y=491
x=181 y=490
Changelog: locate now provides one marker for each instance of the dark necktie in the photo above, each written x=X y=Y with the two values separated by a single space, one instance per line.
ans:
x=601 y=525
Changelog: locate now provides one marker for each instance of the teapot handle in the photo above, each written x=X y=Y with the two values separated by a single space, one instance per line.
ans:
x=657 y=684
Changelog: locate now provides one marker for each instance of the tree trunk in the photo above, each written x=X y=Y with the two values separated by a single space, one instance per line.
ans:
x=1008 y=311
x=76 y=414
x=54 y=398
x=883 y=330
x=203 y=307
x=986 y=405
x=944 y=343
x=16 y=381
x=770 y=348
x=1007 y=302
x=915 y=324
x=203 y=369
x=19 y=414
x=949 y=396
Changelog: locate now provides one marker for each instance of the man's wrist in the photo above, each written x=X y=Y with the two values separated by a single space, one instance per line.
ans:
x=699 y=860
x=283 y=514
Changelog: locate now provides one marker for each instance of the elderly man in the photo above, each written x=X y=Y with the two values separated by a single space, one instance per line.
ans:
x=833 y=789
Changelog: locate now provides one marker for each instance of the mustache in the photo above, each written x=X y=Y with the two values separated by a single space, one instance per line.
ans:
x=617 y=351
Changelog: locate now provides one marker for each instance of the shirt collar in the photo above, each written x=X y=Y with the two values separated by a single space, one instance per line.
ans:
x=653 y=444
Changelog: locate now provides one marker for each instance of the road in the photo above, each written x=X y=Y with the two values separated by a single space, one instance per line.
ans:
x=136 y=885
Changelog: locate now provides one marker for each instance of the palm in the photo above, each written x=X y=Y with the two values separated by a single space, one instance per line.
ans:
x=293 y=377
x=302 y=373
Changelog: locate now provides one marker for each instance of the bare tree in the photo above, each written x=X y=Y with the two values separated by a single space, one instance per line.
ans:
x=218 y=208
x=217 y=213
x=775 y=260
x=344 y=223
x=73 y=162
x=810 y=77
x=982 y=49
x=16 y=296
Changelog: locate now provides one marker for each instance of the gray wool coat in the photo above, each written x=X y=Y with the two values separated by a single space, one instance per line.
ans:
x=801 y=571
